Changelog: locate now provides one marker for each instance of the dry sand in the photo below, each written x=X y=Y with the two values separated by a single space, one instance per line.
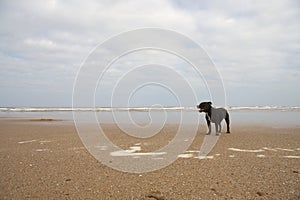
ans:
x=45 y=159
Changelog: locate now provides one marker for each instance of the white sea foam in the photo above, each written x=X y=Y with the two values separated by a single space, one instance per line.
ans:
x=132 y=151
x=186 y=155
x=283 y=149
x=40 y=150
x=44 y=141
x=97 y=109
x=192 y=151
x=135 y=148
x=279 y=149
x=291 y=156
x=258 y=108
x=28 y=141
x=269 y=149
x=246 y=150
x=144 y=109
x=205 y=157
x=260 y=156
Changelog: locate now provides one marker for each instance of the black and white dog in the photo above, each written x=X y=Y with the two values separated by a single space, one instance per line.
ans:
x=214 y=115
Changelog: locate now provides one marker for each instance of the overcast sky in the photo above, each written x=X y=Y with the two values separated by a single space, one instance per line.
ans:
x=255 y=46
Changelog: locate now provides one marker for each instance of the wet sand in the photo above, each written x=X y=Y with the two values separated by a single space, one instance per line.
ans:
x=45 y=159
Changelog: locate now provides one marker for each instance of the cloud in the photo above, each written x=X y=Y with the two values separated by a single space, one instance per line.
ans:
x=255 y=45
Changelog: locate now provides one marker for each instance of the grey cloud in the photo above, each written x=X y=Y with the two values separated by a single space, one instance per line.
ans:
x=43 y=43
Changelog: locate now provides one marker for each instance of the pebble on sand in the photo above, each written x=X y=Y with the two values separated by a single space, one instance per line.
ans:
x=259 y=193
x=156 y=195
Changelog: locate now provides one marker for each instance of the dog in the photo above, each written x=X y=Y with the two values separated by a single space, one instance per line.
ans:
x=214 y=115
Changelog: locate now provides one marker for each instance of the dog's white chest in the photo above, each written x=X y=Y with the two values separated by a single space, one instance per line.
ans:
x=208 y=117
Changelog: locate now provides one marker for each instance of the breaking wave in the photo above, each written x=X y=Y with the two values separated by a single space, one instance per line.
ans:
x=143 y=109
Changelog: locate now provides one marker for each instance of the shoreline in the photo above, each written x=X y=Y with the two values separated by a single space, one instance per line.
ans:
x=48 y=160
x=281 y=119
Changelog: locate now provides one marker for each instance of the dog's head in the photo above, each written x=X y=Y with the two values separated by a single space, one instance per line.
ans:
x=204 y=106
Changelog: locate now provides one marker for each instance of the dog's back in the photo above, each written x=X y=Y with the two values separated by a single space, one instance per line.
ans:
x=218 y=114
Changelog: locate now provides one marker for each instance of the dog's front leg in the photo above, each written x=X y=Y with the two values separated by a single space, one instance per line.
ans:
x=208 y=124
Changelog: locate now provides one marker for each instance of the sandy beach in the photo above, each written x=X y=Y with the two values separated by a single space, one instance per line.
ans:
x=45 y=159
x=112 y=100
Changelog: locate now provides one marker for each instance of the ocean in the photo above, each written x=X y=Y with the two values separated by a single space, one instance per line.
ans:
x=276 y=116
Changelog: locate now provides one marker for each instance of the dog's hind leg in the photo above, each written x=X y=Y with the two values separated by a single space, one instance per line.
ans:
x=227 y=122
x=218 y=128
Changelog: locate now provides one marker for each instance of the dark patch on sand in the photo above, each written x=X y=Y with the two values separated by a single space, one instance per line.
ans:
x=44 y=120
